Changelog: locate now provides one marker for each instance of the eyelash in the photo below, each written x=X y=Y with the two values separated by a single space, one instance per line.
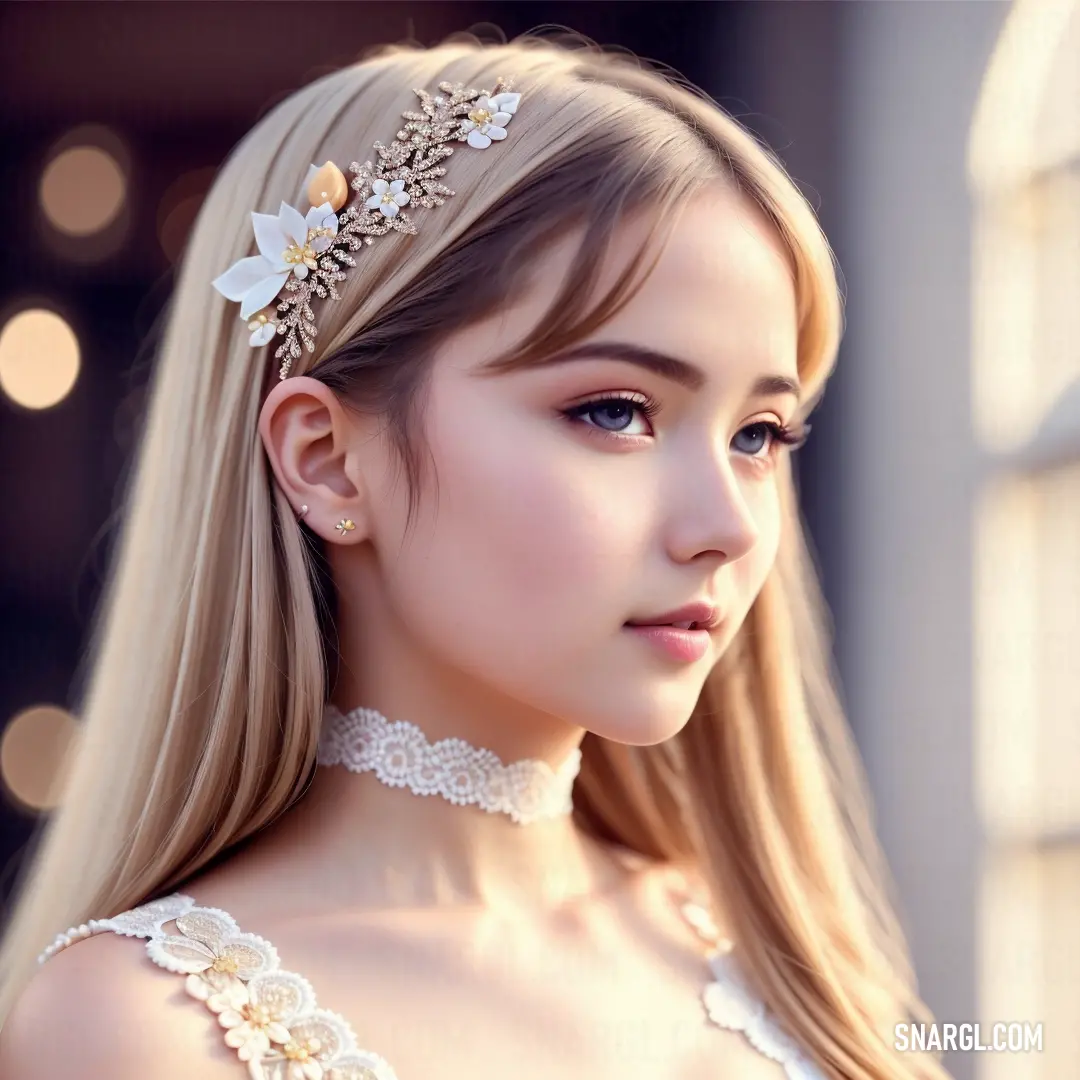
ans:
x=779 y=434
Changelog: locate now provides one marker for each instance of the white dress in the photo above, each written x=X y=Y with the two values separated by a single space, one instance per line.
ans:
x=271 y=1018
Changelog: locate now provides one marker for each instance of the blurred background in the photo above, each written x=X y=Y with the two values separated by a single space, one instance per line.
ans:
x=940 y=143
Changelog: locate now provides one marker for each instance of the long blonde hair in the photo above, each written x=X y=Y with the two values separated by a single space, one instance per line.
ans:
x=214 y=650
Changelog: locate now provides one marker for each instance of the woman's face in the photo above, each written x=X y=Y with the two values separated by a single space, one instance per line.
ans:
x=577 y=495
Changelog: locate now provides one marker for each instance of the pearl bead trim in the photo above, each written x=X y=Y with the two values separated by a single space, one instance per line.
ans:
x=73 y=934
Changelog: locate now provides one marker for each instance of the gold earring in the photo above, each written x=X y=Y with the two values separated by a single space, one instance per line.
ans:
x=345 y=526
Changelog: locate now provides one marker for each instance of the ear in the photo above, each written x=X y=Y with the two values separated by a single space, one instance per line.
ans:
x=314 y=449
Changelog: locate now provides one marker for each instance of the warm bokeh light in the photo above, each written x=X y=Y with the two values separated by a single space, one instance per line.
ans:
x=39 y=358
x=34 y=751
x=82 y=190
x=178 y=209
x=176 y=224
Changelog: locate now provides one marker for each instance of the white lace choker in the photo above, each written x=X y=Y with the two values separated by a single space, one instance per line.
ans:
x=400 y=755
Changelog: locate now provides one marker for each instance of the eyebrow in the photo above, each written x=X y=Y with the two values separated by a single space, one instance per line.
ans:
x=669 y=367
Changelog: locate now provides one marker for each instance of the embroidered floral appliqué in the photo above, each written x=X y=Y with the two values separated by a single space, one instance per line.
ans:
x=269 y=1016
x=271 y=1019
x=730 y=1004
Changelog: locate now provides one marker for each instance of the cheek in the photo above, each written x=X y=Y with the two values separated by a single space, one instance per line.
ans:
x=518 y=554
x=751 y=571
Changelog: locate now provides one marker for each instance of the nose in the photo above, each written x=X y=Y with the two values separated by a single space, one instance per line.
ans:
x=711 y=514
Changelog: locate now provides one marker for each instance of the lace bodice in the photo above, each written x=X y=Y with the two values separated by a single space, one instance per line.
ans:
x=271 y=1017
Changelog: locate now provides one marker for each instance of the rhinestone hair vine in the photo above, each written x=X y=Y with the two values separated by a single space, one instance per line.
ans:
x=305 y=255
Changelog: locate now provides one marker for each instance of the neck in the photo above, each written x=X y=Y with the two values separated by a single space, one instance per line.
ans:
x=373 y=845
x=422 y=852
x=351 y=843
x=370 y=845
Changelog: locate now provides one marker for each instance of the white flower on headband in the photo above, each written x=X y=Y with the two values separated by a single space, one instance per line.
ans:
x=488 y=119
x=288 y=244
x=304 y=257
x=264 y=327
x=388 y=196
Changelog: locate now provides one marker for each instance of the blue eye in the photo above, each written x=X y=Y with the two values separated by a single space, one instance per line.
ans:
x=611 y=415
x=767 y=434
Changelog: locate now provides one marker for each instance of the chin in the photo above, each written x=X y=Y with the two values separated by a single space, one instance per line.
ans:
x=652 y=716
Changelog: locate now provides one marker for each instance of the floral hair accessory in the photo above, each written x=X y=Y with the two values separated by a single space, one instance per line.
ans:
x=304 y=255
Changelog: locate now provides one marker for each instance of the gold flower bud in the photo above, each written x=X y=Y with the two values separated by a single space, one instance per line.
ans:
x=328 y=185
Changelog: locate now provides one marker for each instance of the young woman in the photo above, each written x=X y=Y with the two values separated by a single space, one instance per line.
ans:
x=376 y=737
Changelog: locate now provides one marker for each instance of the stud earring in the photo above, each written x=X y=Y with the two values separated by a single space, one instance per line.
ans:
x=303 y=510
x=345 y=526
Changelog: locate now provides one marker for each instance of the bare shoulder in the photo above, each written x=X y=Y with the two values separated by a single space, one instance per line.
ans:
x=102 y=1008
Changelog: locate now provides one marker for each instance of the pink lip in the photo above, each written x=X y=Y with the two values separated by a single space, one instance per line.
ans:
x=700 y=611
x=684 y=645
